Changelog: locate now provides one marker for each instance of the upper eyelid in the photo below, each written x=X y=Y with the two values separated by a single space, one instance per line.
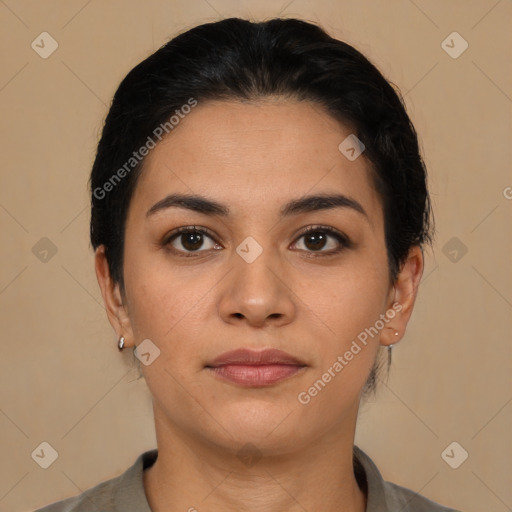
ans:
x=191 y=228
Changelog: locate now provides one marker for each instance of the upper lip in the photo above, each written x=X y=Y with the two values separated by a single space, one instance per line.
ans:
x=255 y=357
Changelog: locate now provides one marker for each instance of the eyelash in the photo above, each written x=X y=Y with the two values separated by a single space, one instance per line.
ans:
x=345 y=242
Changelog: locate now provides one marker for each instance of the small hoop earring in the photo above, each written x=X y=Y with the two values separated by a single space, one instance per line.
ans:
x=120 y=343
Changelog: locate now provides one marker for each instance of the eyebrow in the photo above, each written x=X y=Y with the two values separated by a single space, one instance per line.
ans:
x=304 y=204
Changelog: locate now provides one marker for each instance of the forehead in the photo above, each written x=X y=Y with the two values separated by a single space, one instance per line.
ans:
x=253 y=154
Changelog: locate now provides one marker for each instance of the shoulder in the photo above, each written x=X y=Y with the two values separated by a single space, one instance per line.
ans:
x=99 y=497
x=383 y=496
x=401 y=498
x=124 y=493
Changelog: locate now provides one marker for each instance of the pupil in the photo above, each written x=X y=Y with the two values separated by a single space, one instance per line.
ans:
x=318 y=240
x=194 y=239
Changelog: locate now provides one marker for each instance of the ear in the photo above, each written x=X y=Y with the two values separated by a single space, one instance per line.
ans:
x=405 y=291
x=116 y=308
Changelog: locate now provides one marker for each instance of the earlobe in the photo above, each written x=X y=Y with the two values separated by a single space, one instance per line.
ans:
x=112 y=298
x=406 y=290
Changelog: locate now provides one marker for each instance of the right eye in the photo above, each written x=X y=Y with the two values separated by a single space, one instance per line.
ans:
x=191 y=240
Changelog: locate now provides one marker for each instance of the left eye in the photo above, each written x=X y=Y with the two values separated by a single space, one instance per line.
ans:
x=317 y=238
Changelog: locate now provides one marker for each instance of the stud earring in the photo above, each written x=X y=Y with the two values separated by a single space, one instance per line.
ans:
x=120 y=343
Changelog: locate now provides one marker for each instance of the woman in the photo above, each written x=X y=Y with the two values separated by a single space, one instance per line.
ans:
x=259 y=207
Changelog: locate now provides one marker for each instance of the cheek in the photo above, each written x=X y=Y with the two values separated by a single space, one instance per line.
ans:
x=165 y=303
x=348 y=300
x=346 y=341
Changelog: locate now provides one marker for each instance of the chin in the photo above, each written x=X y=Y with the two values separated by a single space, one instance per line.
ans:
x=265 y=424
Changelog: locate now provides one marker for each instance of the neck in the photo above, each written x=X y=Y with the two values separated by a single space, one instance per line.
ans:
x=191 y=475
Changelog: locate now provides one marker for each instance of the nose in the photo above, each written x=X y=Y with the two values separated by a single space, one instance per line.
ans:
x=257 y=292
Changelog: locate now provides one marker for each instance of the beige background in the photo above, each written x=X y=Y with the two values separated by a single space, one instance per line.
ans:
x=63 y=380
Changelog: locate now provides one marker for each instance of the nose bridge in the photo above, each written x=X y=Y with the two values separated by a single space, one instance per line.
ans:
x=255 y=287
x=253 y=266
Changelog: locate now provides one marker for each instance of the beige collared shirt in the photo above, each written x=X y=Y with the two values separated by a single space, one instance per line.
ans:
x=125 y=493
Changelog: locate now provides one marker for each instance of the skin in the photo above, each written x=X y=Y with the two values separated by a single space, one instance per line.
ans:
x=254 y=157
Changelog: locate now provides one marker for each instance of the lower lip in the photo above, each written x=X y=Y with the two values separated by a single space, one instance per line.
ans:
x=256 y=375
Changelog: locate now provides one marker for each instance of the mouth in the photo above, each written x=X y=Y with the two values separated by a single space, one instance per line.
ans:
x=250 y=368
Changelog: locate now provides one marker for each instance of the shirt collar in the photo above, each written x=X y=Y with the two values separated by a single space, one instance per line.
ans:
x=130 y=495
x=375 y=492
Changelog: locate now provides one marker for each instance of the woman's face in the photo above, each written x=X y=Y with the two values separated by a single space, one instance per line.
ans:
x=254 y=280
